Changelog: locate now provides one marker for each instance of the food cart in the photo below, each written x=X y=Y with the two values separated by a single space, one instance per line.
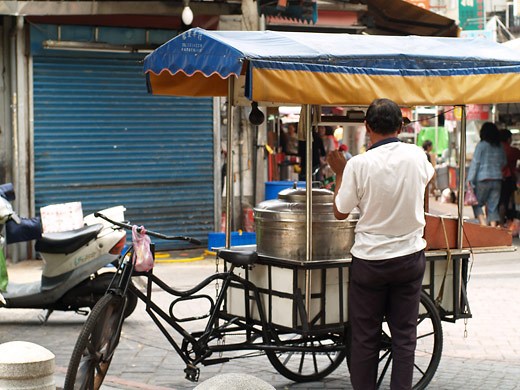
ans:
x=304 y=296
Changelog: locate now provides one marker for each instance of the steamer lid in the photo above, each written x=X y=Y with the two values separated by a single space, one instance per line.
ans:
x=299 y=195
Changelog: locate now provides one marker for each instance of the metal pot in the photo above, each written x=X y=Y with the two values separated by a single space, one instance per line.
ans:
x=281 y=226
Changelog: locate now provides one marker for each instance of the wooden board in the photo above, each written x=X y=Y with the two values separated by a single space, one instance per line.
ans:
x=475 y=236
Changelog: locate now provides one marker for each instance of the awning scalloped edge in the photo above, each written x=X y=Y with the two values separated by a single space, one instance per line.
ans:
x=191 y=74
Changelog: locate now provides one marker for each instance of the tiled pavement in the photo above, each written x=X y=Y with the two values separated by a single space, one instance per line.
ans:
x=488 y=358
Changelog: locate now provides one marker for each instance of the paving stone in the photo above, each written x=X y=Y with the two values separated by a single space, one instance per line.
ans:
x=489 y=358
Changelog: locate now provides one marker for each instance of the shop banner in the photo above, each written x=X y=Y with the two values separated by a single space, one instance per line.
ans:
x=471 y=14
x=473 y=112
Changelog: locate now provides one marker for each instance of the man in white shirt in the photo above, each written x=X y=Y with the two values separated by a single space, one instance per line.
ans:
x=387 y=184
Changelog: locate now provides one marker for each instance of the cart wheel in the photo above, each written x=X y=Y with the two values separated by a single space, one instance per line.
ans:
x=96 y=344
x=427 y=353
x=308 y=366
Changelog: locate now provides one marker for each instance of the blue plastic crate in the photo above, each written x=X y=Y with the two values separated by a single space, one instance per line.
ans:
x=216 y=240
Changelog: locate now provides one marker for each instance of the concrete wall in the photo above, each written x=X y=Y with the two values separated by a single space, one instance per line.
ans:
x=15 y=138
x=243 y=162
x=5 y=110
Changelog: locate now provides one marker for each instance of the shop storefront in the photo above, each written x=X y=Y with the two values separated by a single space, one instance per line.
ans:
x=101 y=139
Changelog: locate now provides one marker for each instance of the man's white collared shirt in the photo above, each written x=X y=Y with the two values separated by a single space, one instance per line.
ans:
x=387 y=185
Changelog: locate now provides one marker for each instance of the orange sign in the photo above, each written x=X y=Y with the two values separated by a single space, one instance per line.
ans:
x=407 y=112
x=420 y=3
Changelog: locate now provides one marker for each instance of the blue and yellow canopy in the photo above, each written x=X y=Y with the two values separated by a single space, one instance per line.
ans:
x=338 y=69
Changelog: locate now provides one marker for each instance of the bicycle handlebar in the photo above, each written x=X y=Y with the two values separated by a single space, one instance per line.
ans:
x=191 y=240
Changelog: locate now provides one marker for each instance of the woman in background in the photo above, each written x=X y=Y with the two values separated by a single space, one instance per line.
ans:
x=485 y=173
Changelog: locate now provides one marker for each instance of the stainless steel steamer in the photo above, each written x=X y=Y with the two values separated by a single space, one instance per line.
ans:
x=281 y=226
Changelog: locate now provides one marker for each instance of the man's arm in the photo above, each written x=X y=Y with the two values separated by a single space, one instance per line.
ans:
x=337 y=163
x=427 y=195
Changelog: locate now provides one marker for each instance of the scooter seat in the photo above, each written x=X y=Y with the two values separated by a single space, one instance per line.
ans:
x=67 y=242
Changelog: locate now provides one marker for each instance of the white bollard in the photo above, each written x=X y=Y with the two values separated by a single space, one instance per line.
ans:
x=26 y=366
x=234 y=382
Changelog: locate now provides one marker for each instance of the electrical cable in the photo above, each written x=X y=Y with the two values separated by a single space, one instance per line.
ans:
x=431 y=117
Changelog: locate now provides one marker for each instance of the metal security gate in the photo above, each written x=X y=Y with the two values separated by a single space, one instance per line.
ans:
x=99 y=138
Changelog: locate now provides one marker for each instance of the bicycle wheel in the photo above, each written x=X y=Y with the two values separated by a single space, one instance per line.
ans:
x=95 y=346
x=427 y=353
x=308 y=366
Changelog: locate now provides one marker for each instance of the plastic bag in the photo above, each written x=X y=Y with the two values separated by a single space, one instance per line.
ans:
x=469 y=197
x=6 y=210
x=3 y=272
x=142 y=258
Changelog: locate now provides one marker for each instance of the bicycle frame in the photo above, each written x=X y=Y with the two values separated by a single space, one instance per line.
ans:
x=199 y=341
x=299 y=349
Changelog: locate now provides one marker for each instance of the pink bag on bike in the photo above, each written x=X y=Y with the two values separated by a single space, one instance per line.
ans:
x=142 y=258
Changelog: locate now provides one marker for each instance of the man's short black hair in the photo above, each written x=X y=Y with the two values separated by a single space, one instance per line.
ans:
x=384 y=116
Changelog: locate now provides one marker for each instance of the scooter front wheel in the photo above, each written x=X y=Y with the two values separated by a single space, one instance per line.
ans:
x=96 y=344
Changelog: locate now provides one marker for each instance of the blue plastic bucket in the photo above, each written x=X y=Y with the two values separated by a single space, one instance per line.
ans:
x=272 y=188
x=218 y=240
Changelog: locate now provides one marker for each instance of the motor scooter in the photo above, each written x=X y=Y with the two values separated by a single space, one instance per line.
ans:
x=73 y=275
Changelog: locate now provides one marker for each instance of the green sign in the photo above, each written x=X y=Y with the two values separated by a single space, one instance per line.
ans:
x=428 y=133
x=471 y=14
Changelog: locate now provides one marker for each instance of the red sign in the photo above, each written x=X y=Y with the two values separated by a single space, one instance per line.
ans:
x=407 y=112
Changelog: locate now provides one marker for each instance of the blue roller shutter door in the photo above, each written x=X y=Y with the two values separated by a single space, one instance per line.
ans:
x=99 y=138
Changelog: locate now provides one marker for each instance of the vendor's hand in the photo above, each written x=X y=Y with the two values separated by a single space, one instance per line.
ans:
x=337 y=161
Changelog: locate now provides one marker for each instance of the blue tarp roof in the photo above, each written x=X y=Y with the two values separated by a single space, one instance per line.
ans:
x=308 y=55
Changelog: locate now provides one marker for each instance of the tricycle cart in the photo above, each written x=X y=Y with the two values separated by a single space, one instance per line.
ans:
x=295 y=310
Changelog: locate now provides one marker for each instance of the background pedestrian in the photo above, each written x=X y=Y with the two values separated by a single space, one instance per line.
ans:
x=485 y=174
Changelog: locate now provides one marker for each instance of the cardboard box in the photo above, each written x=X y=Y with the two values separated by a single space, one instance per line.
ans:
x=62 y=217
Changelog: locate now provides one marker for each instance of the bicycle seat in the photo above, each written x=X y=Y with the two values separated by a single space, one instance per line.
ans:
x=238 y=258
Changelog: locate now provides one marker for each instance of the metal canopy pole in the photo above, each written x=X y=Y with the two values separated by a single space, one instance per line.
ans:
x=436 y=130
x=308 y=170
x=462 y=177
x=229 y=158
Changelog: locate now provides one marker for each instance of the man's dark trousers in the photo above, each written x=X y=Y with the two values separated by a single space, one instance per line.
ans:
x=388 y=288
